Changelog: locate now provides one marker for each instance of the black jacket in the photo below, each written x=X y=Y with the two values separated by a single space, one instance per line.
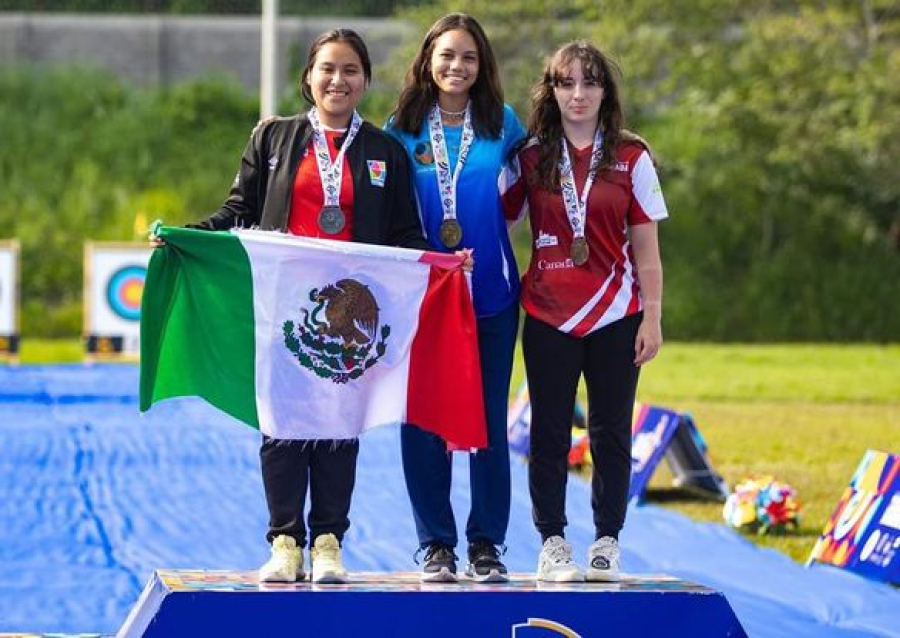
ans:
x=261 y=193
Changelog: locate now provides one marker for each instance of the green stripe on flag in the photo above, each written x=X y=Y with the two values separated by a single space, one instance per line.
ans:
x=197 y=327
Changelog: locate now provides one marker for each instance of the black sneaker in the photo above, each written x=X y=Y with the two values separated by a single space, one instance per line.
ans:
x=440 y=564
x=484 y=563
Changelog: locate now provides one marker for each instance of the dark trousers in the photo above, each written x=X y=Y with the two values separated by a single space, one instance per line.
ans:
x=427 y=464
x=554 y=362
x=326 y=468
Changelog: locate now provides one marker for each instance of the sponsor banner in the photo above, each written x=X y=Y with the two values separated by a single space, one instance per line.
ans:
x=114 y=275
x=542 y=628
x=652 y=429
x=690 y=464
x=518 y=422
x=659 y=433
x=863 y=533
x=9 y=300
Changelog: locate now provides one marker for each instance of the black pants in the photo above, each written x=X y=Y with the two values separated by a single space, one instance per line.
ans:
x=554 y=362
x=327 y=468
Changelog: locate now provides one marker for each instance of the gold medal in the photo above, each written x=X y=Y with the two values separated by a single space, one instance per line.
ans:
x=579 y=251
x=451 y=233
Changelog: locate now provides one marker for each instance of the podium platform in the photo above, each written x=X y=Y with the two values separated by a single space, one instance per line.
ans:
x=230 y=603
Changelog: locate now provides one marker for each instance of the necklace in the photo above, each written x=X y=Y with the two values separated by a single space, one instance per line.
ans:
x=453 y=114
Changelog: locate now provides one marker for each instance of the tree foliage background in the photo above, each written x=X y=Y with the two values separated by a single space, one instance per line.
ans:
x=775 y=123
x=247 y=7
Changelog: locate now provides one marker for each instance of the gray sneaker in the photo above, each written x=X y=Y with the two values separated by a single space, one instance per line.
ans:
x=603 y=560
x=484 y=564
x=555 y=564
x=440 y=564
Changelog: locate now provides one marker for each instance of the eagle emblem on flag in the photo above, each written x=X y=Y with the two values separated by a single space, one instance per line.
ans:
x=338 y=337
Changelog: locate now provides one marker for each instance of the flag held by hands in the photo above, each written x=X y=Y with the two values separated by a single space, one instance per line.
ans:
x=312 y=339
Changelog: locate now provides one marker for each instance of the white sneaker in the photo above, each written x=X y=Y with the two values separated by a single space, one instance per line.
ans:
x=326 y=560
x=603 y=560
x=286 y=563
x=555 y=564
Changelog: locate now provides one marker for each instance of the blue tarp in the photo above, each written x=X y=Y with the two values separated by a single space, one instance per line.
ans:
x=94 y=497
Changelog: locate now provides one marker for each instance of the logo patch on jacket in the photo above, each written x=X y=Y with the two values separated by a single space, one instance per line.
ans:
x=377 y=172
x=545 y=239
x=423 y=154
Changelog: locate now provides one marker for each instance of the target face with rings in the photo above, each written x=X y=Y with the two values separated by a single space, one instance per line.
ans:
x=124 y=290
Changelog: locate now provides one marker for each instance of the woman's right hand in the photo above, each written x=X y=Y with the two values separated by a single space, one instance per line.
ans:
x=152 y=237
x=468 y=259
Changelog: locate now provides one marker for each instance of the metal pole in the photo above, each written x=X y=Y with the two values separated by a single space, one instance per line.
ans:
x=268 y=71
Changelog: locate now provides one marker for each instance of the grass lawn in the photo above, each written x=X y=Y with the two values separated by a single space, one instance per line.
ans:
x=50 y=351
x=803 y=413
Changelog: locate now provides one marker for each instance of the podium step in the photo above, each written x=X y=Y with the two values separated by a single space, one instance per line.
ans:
x=230 y=603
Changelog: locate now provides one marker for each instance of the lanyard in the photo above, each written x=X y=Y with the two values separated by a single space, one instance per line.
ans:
x=330 y=172
x=447 y=178
x=576 y=207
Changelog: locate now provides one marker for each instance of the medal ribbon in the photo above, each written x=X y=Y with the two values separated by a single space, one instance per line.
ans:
x=446 y=178
x=576 y=207
x=331 y=173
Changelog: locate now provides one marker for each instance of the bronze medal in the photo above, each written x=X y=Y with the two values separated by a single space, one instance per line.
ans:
x=451 y=233
x=579 y=251
x=331 y=220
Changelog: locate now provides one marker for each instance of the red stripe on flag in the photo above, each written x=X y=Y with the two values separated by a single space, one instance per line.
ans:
x=441 y=260
x=444 y=393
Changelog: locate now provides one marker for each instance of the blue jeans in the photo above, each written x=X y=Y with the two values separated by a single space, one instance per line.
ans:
x=427 y=464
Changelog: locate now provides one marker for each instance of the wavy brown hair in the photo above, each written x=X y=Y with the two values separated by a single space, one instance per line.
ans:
x=419 y=91
x=545 y=122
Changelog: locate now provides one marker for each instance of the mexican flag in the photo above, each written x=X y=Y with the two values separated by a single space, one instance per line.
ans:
x=312 y=339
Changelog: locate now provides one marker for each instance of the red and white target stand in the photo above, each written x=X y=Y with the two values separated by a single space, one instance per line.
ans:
x=114 y=275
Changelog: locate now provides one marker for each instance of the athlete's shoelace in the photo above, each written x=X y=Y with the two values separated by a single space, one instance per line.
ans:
x=560 y=553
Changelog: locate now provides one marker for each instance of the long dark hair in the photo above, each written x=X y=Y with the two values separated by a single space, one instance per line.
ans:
x=419 y=92
x=545 y=122
x=344 y=36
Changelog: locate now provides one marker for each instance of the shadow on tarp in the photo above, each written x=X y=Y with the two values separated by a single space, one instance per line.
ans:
x=96 y=496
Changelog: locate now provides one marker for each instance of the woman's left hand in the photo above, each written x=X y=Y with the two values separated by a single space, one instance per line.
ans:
x=469 y=261
x=648 y=341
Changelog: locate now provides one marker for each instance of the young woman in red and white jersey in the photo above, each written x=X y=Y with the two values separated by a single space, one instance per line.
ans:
x=592 y=293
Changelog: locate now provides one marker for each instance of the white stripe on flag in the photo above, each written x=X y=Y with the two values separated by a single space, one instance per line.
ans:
x=293 y=401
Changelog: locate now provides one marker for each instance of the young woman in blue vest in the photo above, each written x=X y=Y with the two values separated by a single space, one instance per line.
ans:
x=453 y=122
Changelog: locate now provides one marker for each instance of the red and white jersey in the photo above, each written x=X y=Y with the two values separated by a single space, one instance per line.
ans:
x=581 y=299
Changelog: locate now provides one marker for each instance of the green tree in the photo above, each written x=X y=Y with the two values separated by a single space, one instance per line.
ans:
x=776 y=127
x=85 y=157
